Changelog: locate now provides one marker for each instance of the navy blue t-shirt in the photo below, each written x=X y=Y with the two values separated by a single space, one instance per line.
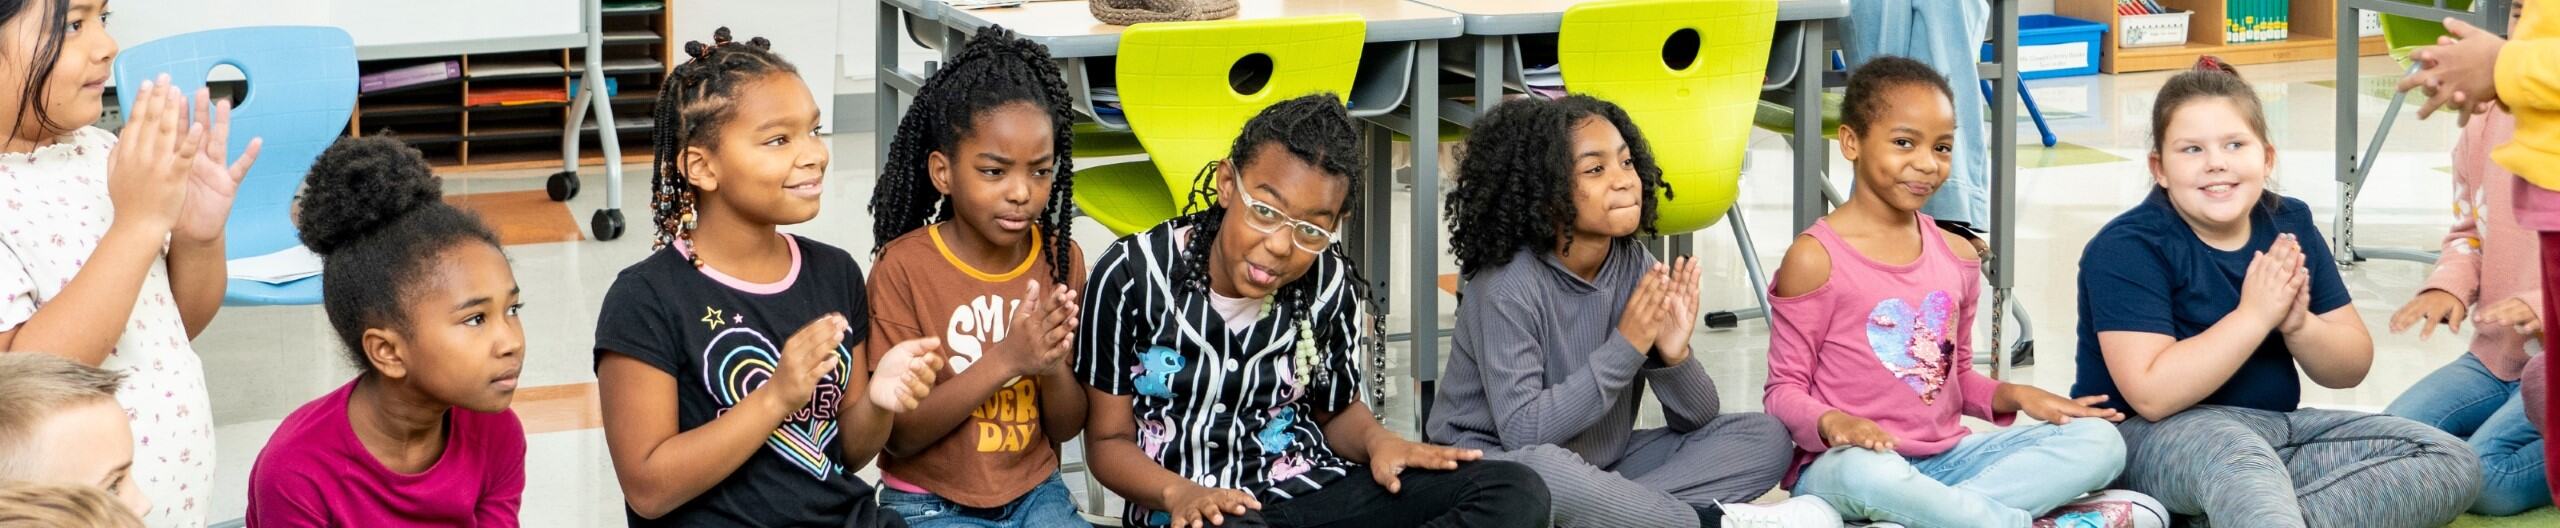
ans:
x=2147 y=272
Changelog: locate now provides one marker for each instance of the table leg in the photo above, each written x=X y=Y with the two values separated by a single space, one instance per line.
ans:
x=884 y=98
x=2004 y=168
x=1425 y=261
x=1813 y=153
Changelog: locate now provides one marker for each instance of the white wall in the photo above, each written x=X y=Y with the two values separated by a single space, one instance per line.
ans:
x=803 y=31
x=858 y=21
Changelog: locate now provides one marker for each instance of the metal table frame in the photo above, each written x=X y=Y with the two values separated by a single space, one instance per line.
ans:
x=2354 y=168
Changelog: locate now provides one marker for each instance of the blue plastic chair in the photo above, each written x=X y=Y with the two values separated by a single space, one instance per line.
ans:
x=302 y=88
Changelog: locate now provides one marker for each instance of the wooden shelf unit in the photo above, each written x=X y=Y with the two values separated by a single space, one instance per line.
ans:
x=455 y=135
x=2310 y=37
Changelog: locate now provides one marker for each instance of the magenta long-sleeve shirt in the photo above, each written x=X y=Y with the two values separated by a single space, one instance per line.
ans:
x=314 y=472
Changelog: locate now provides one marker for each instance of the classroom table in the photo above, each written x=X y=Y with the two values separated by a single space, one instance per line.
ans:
x=2352 y=169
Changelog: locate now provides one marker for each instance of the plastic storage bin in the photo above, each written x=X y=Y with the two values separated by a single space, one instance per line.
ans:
x=2165 y=29
x=2055 y=46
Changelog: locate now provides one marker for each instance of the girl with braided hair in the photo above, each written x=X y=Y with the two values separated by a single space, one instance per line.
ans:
x=1220 y=361
x=724 y=360
x=967 y=236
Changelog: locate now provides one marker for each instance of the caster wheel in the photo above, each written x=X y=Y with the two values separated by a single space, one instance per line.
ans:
x=1723 y=320
x=607 y=224
x=2022 y=354
x=563 y=186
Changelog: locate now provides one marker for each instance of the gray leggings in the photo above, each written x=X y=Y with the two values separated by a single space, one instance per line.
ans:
x=1665 y=476
x=2311 y=467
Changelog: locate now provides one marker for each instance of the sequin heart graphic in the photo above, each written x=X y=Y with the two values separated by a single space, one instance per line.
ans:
x=739 y=360
x=1913 y=344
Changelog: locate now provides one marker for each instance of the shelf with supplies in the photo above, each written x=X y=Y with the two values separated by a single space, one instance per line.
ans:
x=2308 y=34
x=503 y=111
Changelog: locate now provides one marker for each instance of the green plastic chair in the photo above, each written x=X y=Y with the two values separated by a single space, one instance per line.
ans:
x=1689 y=73
x=1174 y=82
x=2405 y=35
x=1695 y=110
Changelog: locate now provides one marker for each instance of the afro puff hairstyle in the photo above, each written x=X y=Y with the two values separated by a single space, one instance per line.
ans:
x=1515 y=179
x=375 y=213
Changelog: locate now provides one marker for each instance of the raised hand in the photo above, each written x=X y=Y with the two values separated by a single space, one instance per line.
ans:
x=2458 y=70
x=212 y=181
x=2300 y=312
x=1066 y=310
x=807 y=358
x=145 y=173
x=1680 y=311
x=2268 y=291
x=1641 y=323
x=905 y=374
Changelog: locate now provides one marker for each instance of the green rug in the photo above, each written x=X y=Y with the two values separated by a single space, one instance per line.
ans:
x=2063 y=154
x=2545 y=517
x=2376 y=86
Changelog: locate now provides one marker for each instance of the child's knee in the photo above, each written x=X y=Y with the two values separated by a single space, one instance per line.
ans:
x=1512 y=487
x=2094 y=443
x=1857 y=470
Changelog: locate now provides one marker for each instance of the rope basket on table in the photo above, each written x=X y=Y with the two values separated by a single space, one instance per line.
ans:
x=1131 y=12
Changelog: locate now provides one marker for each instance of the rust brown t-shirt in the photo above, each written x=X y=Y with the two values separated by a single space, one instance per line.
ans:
x=920 y=289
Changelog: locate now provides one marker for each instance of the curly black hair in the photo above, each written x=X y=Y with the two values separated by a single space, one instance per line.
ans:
x=1868 y=83
x=1515 y=179
x=996 y=68
x=691 y=107
x=375 y=213
x=1316 y=129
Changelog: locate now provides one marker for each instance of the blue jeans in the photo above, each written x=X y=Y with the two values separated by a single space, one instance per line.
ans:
x=1048 y=505
x=2464 y=399
x=2003 y=478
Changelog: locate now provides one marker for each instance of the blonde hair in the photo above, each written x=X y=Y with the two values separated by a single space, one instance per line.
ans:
x=33 y=386
x=32 y=505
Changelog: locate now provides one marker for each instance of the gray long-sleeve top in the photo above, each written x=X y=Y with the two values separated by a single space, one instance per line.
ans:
x=1539 y=360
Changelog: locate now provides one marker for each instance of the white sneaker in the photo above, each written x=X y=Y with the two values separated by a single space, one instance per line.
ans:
x=1803 y=511
x=2108 y=509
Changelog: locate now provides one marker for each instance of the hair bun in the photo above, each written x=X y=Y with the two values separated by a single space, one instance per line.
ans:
x=695 y=49
x=359 y=185
x=2209 y=63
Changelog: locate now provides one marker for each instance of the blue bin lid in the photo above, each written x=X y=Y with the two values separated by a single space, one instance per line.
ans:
x=2040 y=25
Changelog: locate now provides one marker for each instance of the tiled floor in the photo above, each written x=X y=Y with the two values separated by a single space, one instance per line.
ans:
x=263 y=362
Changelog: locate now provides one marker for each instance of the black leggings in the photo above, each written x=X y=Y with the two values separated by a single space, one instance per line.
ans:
x=1486 y=493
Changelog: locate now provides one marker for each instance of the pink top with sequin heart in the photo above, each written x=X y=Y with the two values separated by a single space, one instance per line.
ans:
x=1884 y=342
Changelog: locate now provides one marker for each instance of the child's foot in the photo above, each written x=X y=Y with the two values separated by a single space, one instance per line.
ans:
x=2108 y=509
x=1802 y=511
